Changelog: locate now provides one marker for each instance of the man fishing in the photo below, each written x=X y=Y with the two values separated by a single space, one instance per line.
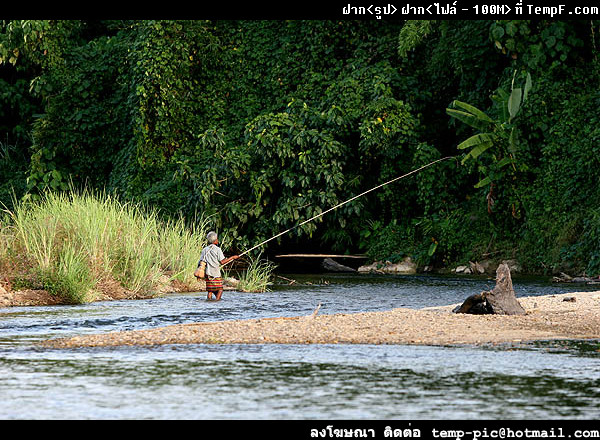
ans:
x=213 y=256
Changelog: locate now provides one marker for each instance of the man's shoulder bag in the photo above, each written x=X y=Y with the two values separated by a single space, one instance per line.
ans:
x=200 y=271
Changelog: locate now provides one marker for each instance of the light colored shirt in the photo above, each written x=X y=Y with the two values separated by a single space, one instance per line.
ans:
x=212 y=255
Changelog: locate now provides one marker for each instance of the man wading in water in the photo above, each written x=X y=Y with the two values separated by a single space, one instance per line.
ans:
x=213 y=256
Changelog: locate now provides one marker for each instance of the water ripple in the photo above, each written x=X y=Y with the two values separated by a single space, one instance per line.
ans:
x=535 y=381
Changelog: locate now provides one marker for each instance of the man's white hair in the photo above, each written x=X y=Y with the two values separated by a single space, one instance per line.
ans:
x=211 y=237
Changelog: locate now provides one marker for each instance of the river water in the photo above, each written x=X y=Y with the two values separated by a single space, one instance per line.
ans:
x=545 y=380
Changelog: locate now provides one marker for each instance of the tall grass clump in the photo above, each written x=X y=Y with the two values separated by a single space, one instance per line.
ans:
x=180 y=246
x=256 y=278
x=69 y=277
x=5 y=242
x=73 y=243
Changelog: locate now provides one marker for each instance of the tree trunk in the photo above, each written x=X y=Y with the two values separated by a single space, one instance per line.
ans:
x=501 y=300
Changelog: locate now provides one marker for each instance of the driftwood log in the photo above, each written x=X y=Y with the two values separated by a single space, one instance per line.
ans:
x=501 y=300
x=333 y=266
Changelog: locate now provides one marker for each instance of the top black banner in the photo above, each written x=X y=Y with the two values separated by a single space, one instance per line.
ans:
x=313 y=9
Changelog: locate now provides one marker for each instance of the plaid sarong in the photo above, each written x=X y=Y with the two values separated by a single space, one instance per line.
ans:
x=214 y=284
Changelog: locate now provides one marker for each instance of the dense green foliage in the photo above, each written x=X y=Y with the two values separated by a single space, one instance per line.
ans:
x=261 y=124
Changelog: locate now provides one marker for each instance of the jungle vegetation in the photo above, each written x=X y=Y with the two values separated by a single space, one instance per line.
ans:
x=257 y=125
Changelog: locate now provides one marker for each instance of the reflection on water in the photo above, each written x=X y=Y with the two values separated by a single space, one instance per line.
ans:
x=536 y=381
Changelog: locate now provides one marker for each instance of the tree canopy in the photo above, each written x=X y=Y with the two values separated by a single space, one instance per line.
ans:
x=262 y=124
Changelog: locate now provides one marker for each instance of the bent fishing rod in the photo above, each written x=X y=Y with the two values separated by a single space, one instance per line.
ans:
x=348 y=201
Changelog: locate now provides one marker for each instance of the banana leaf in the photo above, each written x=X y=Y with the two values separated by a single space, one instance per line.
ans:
x=470 y=119
x=475 y=152
x=475 y=140
x=471 y=109
x=514 y=102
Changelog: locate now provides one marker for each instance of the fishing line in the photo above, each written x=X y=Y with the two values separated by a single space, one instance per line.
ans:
x=347 y=201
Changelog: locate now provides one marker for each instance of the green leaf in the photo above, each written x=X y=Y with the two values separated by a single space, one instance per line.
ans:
x=501 y=97
x=432 y=248
x=504 y=162
x=469 y=119
x=483 y=182
x=475 y=140
x=497 y=32
x=512 y=141
x=514 y=102
x=475 y=152
x=502 y=94
x=473 y=110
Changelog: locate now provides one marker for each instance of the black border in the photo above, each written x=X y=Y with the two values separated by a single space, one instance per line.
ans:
x=300 y=10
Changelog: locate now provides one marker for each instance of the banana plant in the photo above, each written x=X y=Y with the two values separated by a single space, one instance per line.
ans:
x=496 y=136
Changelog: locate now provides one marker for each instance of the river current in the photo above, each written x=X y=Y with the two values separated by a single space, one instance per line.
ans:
x=542 y=380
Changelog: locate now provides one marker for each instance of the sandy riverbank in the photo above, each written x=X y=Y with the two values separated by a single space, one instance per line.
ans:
x=548 y=317
x=109 y=290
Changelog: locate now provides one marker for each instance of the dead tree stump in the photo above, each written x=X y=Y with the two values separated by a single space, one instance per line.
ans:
x=501 y=300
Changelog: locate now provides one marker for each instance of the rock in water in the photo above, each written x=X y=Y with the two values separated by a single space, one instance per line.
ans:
x=404 y=267
x=501 y=300
x=333 y=266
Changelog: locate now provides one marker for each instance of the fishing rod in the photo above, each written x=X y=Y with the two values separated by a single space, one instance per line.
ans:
x=347 y=201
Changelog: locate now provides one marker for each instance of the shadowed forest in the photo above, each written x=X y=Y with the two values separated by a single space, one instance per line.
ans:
x=254 y=126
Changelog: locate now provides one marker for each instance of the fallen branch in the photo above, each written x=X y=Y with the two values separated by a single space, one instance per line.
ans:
x=287 y=279
x=316 y=311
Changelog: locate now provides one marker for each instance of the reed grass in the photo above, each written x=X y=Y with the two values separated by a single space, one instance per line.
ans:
x=70 y=277
x=69 y=242
x=180 y=247
x=256 y=278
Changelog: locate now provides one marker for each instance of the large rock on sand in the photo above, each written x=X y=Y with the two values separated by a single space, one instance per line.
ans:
x=501 y=300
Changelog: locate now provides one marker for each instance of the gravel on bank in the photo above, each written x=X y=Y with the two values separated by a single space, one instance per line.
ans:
x=564 y=316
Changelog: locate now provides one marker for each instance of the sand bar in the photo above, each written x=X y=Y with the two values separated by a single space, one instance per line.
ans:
x=564 y=316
